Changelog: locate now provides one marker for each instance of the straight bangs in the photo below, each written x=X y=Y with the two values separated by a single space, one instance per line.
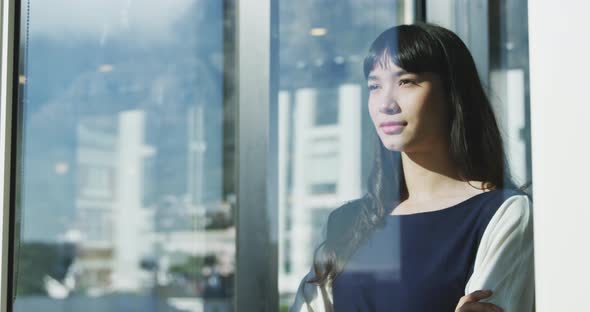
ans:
x=408 y=47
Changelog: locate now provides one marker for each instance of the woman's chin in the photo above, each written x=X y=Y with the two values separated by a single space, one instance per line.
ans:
x=393 y=146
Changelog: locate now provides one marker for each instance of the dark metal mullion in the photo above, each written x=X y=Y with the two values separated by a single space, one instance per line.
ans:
x=420 y=10
x=472 y=25
x=256 y=263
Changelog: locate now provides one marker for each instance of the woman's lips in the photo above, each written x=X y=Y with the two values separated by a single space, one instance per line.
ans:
x=392 y=127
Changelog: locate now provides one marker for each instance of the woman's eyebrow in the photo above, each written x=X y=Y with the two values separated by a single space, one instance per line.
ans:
x=393 y=75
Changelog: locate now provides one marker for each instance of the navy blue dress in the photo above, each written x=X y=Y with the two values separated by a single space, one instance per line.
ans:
x=418 y=262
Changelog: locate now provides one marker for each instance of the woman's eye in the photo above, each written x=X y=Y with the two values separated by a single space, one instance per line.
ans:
x=405 y=81
x=373 y=87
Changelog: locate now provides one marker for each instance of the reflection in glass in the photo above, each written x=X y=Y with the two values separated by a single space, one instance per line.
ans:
x=322 y=156
x=509 y=82
x=123 y=198
x=381 y=261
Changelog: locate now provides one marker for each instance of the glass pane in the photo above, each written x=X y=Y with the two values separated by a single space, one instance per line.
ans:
x=502 y=61
x=324 y=157
x=404 y=217
x=509 y=82
x=126 y=185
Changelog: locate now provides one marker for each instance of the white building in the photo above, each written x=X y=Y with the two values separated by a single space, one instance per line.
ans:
x=111 y=222
x=324 y=163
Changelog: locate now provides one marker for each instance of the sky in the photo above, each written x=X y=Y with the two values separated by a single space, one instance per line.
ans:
x=151 y=19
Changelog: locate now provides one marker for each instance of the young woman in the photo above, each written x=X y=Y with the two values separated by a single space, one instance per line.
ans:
x=442 y=227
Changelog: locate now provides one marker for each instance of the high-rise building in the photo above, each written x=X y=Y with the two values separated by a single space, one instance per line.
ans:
x=111 y=220
x=319 y=169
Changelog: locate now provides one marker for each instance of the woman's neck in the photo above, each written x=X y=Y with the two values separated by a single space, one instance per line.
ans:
x=432 y=174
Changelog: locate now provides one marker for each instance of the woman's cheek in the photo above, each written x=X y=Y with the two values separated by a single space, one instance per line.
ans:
x=373 y=114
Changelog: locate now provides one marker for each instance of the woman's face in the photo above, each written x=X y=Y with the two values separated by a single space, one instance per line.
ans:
x=408 y=110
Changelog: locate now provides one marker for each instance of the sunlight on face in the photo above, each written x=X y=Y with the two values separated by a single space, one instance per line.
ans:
x=408 y=110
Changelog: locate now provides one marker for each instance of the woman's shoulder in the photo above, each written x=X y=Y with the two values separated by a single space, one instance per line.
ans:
x=502 y=195
x=508 y=203
x=515 y=200
x=509 y=192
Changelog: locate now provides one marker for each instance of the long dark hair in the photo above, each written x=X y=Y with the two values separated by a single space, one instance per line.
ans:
x=475 y=142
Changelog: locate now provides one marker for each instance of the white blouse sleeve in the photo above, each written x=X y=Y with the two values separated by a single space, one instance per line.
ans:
x=504 y=261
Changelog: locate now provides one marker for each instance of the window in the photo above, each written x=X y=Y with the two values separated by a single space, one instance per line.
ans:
x=155 y=138
x=124 y=198
x=326 y=107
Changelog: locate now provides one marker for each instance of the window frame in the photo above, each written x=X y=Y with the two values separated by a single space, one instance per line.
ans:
x=256 y=285
x=9 y=32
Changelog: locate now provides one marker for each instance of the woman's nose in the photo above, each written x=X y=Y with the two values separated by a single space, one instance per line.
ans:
x=389 y=106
